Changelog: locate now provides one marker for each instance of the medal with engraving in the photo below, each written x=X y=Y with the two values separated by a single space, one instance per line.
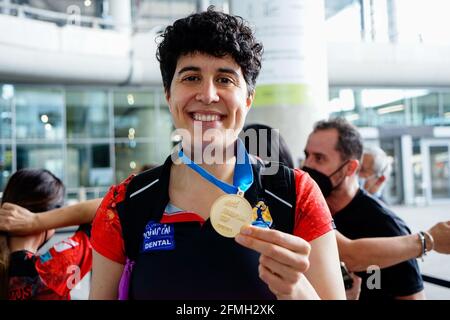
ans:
x=231 y=211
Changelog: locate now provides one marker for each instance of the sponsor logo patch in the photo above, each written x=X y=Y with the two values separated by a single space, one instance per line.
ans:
x=158 y=236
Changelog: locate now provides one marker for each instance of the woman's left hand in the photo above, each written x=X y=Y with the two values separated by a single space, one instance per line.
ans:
x=284 y=258
x=17 y=220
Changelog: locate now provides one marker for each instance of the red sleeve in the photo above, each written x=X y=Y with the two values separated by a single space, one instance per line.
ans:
x=313 y=217
x=106 y=235
x=66 y=263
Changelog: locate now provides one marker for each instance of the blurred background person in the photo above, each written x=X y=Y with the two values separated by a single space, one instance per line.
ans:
x=26 y=274
x=376 y=168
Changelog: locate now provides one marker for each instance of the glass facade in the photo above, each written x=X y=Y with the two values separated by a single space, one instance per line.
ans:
x=90 y=138
x=399 y=113
x=87 y=114
x=439 y=172
x=367 y=107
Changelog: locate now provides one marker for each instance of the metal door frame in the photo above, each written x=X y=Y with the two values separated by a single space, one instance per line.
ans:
x=425 y=145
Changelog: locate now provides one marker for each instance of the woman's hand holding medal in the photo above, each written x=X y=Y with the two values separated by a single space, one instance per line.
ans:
x=284 y=259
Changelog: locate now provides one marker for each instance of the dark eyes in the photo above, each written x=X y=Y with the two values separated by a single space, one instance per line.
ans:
x=317 y=157
x=220 y=80
x=224 y=80
x=191 y=78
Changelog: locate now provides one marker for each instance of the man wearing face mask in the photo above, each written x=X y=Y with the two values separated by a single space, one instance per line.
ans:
x=333 y=153
x=375 y=170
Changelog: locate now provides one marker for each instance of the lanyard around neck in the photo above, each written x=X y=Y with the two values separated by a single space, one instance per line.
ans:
x=243 y=174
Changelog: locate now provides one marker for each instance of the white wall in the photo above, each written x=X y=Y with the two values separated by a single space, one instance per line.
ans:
x=383 y=64
x=36 y=51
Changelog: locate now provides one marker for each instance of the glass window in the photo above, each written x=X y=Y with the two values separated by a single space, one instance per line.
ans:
x=88 y=165
x=394 y=186
x=7 y=92
x=39 y=114
x=87 y=114
x=445 y=96
x=135 y=116
x=390 y=107
x=5 y=165
x=419 y=188
x=426 y=110
x=43 y=156
x=440 y=176
x=131 y=156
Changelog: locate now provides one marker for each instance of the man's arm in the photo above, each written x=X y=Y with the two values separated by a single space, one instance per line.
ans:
x=359 y=254
x=19 y=221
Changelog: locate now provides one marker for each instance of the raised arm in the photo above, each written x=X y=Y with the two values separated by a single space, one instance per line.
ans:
x=359 y=254
x=19 y=221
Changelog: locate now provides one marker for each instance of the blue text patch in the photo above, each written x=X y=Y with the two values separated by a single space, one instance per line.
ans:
x=158 y=236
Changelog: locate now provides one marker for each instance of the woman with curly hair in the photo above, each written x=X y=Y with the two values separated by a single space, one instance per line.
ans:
x=184 y=229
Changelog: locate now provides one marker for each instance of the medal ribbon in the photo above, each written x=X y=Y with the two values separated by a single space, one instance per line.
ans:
x=243 y=173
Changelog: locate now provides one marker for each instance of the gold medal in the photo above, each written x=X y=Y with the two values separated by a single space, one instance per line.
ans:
x=229 y=213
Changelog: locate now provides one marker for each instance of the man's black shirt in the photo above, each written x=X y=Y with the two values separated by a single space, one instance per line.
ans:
x=367 y=217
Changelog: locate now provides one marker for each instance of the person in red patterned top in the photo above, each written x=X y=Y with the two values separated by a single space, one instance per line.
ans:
x=209 y=63
x=107 y=233
x=25 y=274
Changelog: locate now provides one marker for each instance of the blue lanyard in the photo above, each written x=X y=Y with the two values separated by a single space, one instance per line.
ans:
x=243 y=174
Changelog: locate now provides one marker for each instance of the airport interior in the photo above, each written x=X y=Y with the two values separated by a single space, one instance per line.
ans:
x=81 y=93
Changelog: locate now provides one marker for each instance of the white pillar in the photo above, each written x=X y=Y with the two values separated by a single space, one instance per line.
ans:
x=392 y=21
x=292 y=89
x=121 y=13
x=407 y=169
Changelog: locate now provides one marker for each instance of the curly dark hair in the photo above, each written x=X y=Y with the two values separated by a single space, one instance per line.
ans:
x=349 y=143
x=216 y=34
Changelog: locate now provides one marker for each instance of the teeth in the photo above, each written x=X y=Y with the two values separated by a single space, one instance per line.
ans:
x=206 y=117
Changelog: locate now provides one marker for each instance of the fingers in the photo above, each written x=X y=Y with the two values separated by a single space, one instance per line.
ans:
x=5 y=223
x=285 y=272
x=9 y=206
x=282 y=239
x=284 y=248
x=274 y=282
x=15 y=219
x=280 y=254
x=283 y=260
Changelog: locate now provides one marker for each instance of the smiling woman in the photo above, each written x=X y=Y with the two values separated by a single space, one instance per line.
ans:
x=209 y=64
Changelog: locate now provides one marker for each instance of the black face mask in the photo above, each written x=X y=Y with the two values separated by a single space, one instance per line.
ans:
x=322 y=180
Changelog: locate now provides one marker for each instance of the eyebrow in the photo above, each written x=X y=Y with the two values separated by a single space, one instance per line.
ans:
x=223 y=70
x=228 y=70
x=188 y=68
x=314 y=153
